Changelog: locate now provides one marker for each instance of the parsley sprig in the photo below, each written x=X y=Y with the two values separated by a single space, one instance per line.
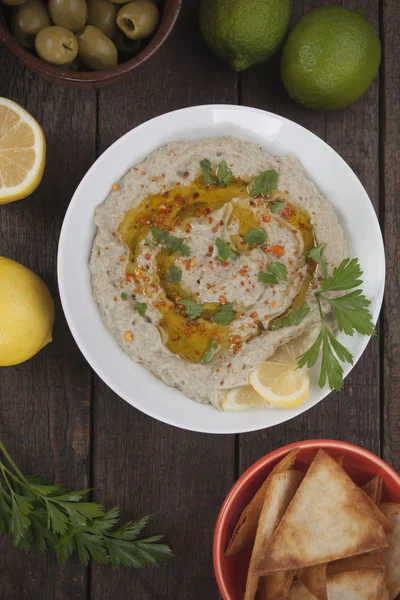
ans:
x=352 y=314
x=223 y=175
x=58 y=521
x=174 y=244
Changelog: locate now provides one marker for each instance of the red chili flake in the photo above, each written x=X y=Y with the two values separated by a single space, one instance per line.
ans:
x=210 y=220
x=188 y=264
x=143 y=172
x=273 y=304
x=229 y=365
x=147 y=256
x=242 y=283
x=244 y=367
x=266 y=217
x=115 y=187
x=198 y=212
x=231 y=164
x=163 y=175
x=121 y=259
x=290 y=262
x=288 y=212
x=222 y=300
x=222 y=381
x=277 y=251
x=247 y=289
x=225 y=263
x=115 y=298
x=253 y=315
x=266 y=302
x=186 y=174
x=210 y=250
x=235 y=348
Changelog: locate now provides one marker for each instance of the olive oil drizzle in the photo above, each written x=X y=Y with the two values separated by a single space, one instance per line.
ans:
x=179 y=206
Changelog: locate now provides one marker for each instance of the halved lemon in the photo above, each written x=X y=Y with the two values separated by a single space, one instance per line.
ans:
x=242 y=398
x=22 y=152
x=281 y=383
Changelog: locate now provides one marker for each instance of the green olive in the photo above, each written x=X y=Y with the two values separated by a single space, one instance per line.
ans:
x=12 y=2
x=125 y=45
x=103 y=14
x=138 y=19
x=71 y=14
x=96 y=50
x=27 y=20
x=56 y=45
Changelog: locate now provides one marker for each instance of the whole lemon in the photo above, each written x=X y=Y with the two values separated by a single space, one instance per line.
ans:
x=330 y=58
x=244 y=32
x=26 y=313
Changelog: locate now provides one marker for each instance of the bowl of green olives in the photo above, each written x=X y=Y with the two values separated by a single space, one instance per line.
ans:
x=86 y=43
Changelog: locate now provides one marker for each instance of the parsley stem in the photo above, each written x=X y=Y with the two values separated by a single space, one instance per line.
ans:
x=321 y=314
x=3 y=470
x=11 y=462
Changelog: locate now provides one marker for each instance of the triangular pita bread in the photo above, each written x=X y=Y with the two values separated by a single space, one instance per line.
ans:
x=372 y=488
x=364 y=584
x=275 y=586
x=245 y=530
x=392 y=554
x=314 y=579
x=373 y=560
x=281 y=490
x=327 y=519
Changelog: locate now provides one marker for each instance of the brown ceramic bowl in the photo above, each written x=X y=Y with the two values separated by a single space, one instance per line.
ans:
x=92 y=79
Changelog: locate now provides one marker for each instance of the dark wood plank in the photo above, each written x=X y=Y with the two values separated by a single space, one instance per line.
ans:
x=45 y=403
x=143 y=465
x=391 y=138
x=353 y=415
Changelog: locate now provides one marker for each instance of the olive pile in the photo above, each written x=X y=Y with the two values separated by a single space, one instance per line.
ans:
x=80 y=34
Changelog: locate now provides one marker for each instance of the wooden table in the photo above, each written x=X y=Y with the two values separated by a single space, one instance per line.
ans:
x=58 y=419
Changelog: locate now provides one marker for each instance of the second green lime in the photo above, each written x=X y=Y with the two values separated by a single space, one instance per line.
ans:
x=330 y=58
x=244 y=32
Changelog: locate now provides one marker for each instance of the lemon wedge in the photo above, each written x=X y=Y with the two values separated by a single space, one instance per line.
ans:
x=22 y=152
x=242 y=398
x=281 y=383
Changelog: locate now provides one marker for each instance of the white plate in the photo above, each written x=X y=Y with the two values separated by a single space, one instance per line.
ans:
x=279 y=136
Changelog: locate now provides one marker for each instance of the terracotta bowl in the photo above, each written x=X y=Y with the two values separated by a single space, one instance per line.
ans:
x=360 y=464
x=92 y=79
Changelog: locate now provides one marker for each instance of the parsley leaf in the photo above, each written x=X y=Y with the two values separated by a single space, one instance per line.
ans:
x=295 y=317
x=275 y=271
x=150 y=243
x=352 y=315
x=224 y=174
x=174 y=274
x=255 y=236
x=265 y=184
x=159 y=235
x=124 y=296
x=210 y=352
x=225 y=314
x=174 y=244
x=206 y=170
x=316 y=255
x=224 y=250
x=193 y=310
x=279 y=270
x=276 y=206
x=344 y=277
x=63 y=523
x=141 y=308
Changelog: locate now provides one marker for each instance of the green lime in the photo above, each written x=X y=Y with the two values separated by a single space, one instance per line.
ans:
x=244 y=32
x=330 y=58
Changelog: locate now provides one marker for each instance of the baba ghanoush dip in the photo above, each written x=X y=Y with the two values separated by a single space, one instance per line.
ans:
x=200 y=264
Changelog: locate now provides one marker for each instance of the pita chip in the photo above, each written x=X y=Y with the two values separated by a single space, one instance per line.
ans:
x=281 y=490
x=374 y=560
x=378 y=514
x=276 y=586
x=392 y=554
x=314 y=579
x=364 y=584
x=339 y=460
x=327 y=519
x=299 y=592
x=372 y=488
x=245 y=530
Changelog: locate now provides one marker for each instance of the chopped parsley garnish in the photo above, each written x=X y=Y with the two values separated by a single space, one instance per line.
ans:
x=224 y=250
x=265 y=184
x=150 y=243
x=224 y=174
x=174 y=274
x=275 y=271
x=295 y=317
x=255 y=236
x=192 y=309
x=124 y=296
x=141 y=308
x=352 y=315
x=206 y=170
x=225 y=314
x=210 y=352
x=174 y=244
x=316 y=255
x=276 y=206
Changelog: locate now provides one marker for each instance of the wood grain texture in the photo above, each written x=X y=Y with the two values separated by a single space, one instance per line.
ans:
x=391 y=165
x=146 y=466
x=354 y=414
x=45 y=402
